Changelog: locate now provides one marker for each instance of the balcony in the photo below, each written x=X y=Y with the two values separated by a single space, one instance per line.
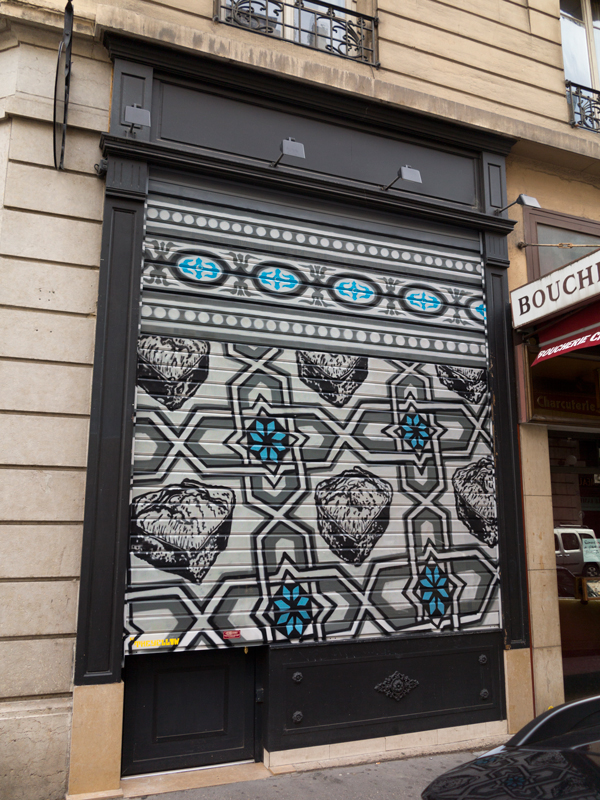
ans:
x=584 y=106
x=340 y=31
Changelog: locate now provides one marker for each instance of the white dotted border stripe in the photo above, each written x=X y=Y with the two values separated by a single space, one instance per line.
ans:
x=341 y=333
x=266 y=231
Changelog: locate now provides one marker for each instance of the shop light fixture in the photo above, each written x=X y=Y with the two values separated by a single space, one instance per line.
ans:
x=522 y=200
x=406 y=174
x=290 y=147
x=136 y=117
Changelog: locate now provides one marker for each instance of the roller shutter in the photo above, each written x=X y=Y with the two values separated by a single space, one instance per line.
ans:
x=313 y=446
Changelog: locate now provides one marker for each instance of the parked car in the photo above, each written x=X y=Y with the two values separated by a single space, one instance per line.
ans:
x=556 y=755
x=568 y=546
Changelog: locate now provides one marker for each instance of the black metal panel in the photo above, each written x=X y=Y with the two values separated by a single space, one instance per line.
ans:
x=127 y=178
x=185 y=710
x=496 y=249
x=104 y=553
x=508 y=472
x=303 y=183
x=319 y=101
x=132 y=85
x=189 y=117
x=341 y=692
x=494 y=182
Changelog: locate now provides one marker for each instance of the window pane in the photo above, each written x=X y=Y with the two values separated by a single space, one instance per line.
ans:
x=570 y=541
x=553 y=257
x=596 y=19
x=327 y=31
x=572 y=8
x=574 y=43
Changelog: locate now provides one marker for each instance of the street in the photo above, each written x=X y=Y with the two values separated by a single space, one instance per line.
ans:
x=403 y=779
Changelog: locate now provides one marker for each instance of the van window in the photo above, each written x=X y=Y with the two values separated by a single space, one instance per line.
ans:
x=586 y=536
x=556 y=543
x=570 y=541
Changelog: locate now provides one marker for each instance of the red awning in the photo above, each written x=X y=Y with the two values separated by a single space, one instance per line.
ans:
x=580 y=329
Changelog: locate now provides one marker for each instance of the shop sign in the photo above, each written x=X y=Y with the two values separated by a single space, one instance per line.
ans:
x=591 y=550
x=560 y=290
x=571 y=344
x=562 y=403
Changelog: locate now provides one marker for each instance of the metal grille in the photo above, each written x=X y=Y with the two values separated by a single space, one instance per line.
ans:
x=320 y=26
x=584 y=106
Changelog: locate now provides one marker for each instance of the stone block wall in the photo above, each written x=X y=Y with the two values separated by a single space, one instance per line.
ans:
x=50 y=228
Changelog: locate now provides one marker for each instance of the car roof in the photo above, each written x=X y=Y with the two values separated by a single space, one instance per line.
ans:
x=573 y=529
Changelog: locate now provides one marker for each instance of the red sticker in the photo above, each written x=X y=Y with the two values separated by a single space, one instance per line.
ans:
x=232 y=634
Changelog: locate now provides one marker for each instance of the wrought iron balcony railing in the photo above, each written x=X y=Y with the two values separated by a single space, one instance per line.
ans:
x=321 y=26
x=584 y=106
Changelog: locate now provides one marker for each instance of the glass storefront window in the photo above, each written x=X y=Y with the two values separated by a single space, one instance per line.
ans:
x=574 y=469
x=552 y=258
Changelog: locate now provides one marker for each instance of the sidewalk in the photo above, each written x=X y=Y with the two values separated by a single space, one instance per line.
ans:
x=404 y=779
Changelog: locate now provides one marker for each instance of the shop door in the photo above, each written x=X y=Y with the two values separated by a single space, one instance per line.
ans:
x=313 y=447
x=188 y=710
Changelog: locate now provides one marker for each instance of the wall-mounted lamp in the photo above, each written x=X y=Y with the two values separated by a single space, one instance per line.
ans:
x=522 y=200
x=406 y=174
x=290 y=147
x=136 y=117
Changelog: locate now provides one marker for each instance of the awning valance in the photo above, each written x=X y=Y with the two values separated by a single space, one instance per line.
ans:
x=578 y=330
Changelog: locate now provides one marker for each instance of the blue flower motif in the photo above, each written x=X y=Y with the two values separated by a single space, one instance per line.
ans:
x=199 y=268
x=415 y=431
x=514 y=781
x=435 y=590
x=278 y=280
x=354 y=291
x=480 y=309
x=485 y=760
x=423 y=301
x=268 y=440
x=292 y=610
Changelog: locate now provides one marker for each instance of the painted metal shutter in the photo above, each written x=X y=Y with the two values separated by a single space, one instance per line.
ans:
x=313 y=451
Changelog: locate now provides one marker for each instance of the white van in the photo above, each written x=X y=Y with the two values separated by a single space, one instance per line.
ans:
x=569 y=549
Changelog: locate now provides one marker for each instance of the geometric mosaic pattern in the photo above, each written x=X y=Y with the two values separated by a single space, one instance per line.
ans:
x=286 y=493
x=519 y=774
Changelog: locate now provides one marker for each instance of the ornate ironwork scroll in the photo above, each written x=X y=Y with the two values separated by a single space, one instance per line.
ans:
x=309 y=23
x=397 y=686
x=584 y=106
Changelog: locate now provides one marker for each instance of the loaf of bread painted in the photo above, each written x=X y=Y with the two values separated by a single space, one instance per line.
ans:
x=469 y=383
x=475 y=497
x=182 y=528
x=353 y=512
x=334 y=376
x=171 y=369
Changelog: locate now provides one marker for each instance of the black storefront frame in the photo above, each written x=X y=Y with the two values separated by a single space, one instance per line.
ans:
x=129 y=160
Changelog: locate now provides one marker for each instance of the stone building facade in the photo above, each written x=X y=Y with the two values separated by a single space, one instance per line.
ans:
x=469 y=83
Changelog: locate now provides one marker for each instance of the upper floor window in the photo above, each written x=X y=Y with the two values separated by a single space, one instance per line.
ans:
x=580 y=29
x=580 y=32
x=346 y=28
x=551 y=228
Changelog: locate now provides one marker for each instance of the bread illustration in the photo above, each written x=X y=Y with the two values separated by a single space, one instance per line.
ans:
x=475 y=497
x=353 y=512
x=182 y=528
x=171 y=369
x=469 y=383
x=335 y=376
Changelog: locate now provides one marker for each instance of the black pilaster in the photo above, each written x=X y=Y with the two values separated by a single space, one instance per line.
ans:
x=100 y=622
x=504 y=410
